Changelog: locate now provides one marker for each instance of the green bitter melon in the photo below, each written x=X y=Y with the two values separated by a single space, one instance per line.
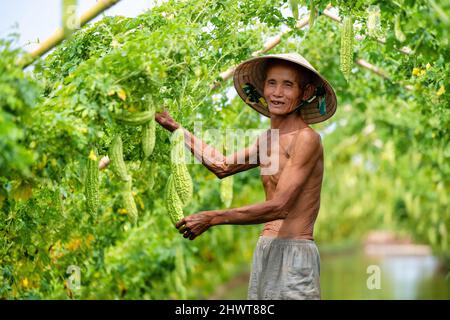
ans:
x=181 y=177
x=92 y=185
x=346 y=47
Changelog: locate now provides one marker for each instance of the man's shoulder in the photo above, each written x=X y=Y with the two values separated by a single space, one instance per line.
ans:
x=308 y=136
x=308 y=145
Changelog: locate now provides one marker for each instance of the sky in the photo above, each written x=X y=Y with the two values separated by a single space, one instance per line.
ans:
x=38 y=19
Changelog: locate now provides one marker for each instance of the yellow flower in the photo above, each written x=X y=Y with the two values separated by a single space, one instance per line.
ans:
x=441 y=91
x=122 y=211
x=74 y=244
x=415 y=71
x=122 y=94
x=25 y=283
x=140 y=202
x=422 y=72
x=92 y=156
x=89 y=239
x=131 y=109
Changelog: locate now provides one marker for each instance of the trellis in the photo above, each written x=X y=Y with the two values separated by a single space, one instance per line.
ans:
x=103 y=5
x=272 y=43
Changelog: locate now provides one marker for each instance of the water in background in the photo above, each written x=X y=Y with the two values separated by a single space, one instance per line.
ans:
x=344 y=275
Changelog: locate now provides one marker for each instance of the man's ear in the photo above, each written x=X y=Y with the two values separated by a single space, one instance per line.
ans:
x=308 y=91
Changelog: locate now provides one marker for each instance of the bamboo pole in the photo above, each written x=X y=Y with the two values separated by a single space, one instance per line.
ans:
x=371 y=67
x=269 y=45
x=58 y=36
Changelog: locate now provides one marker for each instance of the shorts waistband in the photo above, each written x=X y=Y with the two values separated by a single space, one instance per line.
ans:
x=285 y=241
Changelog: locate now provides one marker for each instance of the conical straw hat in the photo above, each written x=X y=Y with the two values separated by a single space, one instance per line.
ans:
x=252 y=72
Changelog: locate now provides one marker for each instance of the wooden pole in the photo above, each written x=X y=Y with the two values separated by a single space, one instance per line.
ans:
x=272 y=43
x=371 y=67
x=58 y=36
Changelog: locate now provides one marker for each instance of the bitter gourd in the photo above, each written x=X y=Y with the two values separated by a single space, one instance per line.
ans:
x=92 y=184
x=129 y=203
x=226 y=190
x=116 y=157
x=181 y=177
x=347 y=47
x=312 y=13
x=137 y=118
x=149 y=135
x=173 y=203
x=398 y=30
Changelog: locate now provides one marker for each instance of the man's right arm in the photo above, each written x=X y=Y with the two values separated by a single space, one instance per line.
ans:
x=219 y=164
x=222 y=166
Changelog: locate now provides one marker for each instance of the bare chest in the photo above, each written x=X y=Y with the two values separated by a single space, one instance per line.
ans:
x=278 y=154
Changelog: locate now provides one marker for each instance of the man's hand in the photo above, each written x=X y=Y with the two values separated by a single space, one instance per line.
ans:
x=166 y=121
x=194 y=225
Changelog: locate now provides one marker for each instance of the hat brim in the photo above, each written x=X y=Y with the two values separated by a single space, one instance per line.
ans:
x=252 y=72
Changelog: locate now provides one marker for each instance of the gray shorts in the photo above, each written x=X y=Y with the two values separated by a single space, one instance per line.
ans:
x=285 y=269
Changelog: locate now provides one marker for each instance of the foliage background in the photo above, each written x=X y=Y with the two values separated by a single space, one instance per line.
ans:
x=386 y=148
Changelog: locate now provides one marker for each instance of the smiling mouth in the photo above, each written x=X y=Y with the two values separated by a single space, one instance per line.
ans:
x=277 y=103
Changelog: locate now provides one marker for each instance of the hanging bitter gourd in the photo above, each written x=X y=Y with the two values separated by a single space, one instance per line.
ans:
x=136 y=118
x=398 y=30
x=174 y=205
x=294 y=8
x=68 y=16
x=59 y=202
x=181 y=177
x=312 y=13
x=226 y=190
x=179 y=286
x=120 y=169
x=116 y=157
x=180 y=264
x=149 y=135
x=129 y=203
x=92 y=184
x=346 y=47
x=373 y=21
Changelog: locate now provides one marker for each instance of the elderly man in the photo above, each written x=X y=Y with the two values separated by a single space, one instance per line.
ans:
x=286 y=88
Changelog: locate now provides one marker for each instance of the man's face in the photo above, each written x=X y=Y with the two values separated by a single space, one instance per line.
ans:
x=281 y=89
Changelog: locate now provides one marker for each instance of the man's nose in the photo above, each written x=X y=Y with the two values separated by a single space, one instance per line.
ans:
x=278 y=91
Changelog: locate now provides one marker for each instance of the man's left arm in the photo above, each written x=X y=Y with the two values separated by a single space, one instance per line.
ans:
x=306 y=152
